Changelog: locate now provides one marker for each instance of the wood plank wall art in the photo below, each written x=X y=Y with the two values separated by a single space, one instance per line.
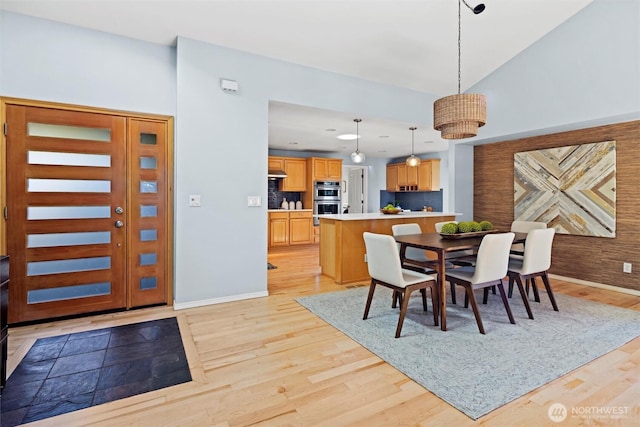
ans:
x=572 y=188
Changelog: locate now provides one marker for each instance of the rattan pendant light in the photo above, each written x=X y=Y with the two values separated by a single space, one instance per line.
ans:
x=459 y=116
x=413 y=160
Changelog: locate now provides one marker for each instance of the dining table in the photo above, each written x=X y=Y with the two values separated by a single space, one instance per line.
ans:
x=442 y=245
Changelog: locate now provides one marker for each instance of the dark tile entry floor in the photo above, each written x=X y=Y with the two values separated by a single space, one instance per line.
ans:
x=70 y=372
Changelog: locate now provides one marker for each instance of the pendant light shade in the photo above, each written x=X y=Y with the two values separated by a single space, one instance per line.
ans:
x=357 y=156
x=413 y=160
x=459 y=116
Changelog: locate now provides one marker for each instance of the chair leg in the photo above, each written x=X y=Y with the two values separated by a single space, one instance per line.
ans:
x=547 y=285
x=466 y=299
x=474 y=305
x=403 y=311
x=453 y=293
x=423 y=291
x=435 y=302
x=525 y=300
x=503 y=295
x=510 y=293
x=372 y=289
x=536 y=295
x=485 y=295
x=397 y=298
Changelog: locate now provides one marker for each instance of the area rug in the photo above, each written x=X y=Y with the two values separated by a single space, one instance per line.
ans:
x=74 y=371
x=478 y=373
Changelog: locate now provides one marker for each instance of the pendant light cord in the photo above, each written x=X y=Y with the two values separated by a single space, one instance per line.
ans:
x=459 y=43
x=412 y=133
x=357 y=134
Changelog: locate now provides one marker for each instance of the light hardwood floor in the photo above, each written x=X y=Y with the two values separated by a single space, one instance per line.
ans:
x=268 y=361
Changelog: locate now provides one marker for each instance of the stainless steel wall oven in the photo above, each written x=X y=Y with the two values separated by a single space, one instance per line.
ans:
x=326 y=199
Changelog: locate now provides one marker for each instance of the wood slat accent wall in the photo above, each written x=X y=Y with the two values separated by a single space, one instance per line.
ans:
x=594 y=259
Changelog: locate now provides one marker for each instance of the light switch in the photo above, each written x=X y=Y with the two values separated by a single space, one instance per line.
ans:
x=254 y=201
x=194 y=200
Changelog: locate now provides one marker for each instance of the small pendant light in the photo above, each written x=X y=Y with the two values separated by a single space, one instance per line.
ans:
x=413 y=160
x=357 y=156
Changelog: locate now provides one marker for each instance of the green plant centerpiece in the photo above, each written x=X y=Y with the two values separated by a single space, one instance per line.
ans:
x=486 y=225
x=449 y=228
x=464 y=227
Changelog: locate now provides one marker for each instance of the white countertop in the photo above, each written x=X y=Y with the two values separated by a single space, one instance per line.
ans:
x=378 y=215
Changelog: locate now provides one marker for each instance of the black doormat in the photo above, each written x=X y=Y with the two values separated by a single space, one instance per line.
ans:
x=75 y=371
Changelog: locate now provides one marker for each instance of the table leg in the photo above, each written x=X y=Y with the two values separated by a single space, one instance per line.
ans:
x=443 y=290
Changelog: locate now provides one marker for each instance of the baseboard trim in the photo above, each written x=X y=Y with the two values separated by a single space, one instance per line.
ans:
x=200 y=303
x=596 y=285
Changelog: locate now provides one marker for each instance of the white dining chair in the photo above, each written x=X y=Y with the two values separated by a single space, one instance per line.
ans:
x=383 y=263
x=535 y=262
x=491 y=267
x=415 y=259
x=524 y=227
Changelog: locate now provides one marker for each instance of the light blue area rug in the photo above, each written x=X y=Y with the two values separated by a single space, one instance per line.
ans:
x=478 y=373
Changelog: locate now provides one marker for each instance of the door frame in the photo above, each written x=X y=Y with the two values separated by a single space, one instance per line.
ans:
x=169 y=120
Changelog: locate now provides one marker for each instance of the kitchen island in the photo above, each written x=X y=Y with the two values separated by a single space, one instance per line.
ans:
x=342 y=248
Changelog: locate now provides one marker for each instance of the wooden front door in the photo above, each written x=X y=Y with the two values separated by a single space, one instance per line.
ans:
x=86 y=212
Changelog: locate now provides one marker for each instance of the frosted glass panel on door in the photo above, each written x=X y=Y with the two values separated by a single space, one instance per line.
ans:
x=39 y=268
x=148 y=283
x=68 y=132
x=148 y=139
x=148 y=259
x=148 y=211
x=68 y=292
x=148 y=187
x=148 y=235
x=148 y=163
x=68 y=186
x=68 y=239
x=68 y=159
x=68 y=212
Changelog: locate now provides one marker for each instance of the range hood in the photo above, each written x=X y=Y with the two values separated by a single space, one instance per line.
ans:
x=275 y=174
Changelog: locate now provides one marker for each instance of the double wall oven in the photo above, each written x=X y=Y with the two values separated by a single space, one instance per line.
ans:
x=326 y=199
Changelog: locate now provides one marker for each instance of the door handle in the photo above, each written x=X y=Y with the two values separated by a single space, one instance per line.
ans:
x=119 y=224
x=119 y=210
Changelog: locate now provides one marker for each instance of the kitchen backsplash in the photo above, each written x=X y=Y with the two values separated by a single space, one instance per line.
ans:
x=276 y=196
x=413 y=200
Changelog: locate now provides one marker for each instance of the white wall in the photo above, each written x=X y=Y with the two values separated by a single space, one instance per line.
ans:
x=49 y=61
x=222 y=251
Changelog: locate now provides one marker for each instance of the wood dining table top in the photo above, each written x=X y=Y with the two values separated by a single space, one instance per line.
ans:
x=435 y=241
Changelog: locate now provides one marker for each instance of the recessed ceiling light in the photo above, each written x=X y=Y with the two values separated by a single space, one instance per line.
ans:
x=383 y=136
x=330 y=130
x=347 y=136
x=428 y=142
x=293 y=143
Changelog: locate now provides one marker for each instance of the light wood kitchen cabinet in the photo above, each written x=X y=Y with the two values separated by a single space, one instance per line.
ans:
x=300 y=228
x=278 y=228
x=275 y=163
x=402 y=178
x=296 y=170
x=324 y=169
x=429 y=175
x=296 y=179
x=291 y=228
x=392 y=177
